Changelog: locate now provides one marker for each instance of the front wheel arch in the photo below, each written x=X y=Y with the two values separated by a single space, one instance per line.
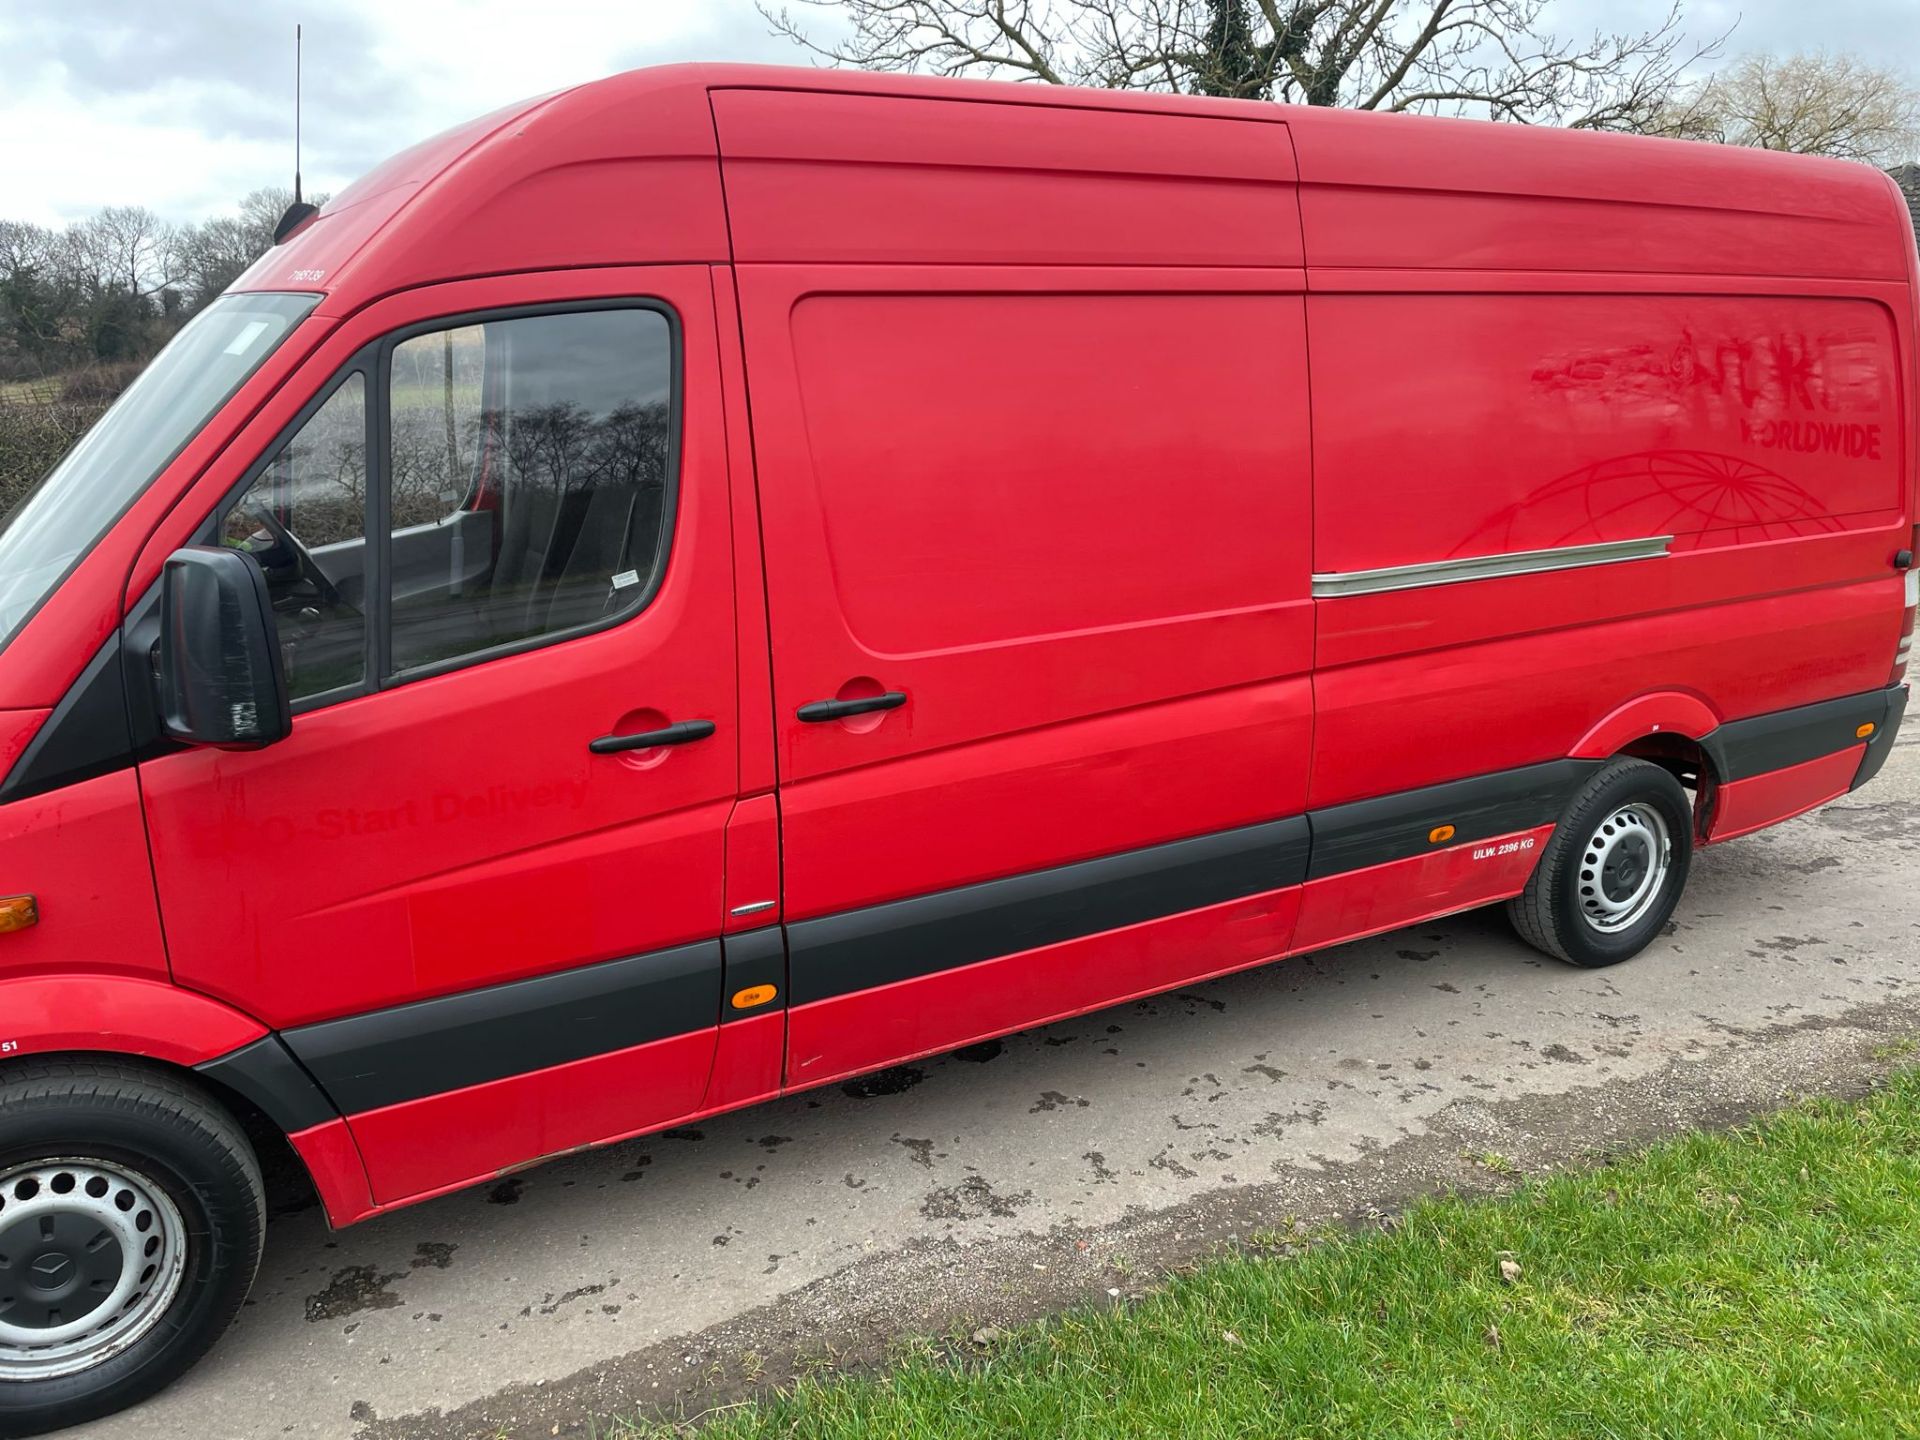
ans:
x=89 y=1136
x=290 y=1183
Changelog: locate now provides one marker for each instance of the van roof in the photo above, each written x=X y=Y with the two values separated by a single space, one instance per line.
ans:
x=527 y=187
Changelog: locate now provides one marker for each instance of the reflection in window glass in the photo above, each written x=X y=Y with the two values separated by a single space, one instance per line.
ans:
x=304 y=521
x=530 y=464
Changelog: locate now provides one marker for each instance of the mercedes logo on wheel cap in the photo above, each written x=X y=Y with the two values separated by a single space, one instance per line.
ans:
x=51 y=1269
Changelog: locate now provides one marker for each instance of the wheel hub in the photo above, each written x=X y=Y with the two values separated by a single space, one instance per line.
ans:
x=1623 y=867
x=91 y=1255
x=73 y=1266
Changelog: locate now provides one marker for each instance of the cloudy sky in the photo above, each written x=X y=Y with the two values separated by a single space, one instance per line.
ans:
x=186 y=105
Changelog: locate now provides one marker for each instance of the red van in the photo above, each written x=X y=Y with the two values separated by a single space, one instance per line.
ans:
x=721 y=579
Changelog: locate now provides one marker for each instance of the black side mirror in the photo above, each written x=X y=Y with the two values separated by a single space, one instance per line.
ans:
x=220 y=679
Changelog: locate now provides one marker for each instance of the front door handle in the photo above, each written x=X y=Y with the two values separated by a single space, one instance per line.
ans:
x=680 y=732
x=840 y=709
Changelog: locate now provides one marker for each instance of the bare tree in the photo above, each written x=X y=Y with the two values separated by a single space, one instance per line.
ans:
x=212 y=254
x=1814 y=104
x=128 y=248
x=39 y=293
x=23 y=246
x=1487 y=57
x=103 y=293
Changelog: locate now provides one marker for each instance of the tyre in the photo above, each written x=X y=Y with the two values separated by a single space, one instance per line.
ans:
x=1610 y=876
x=131 y=1214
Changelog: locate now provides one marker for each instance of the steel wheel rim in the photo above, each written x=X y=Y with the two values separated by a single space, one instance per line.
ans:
x=1623 y=867
x=92 y=1254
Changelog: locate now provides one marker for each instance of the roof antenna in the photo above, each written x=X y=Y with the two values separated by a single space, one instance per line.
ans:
x=299 y=210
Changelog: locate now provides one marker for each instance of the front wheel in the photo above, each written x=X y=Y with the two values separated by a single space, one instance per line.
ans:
x=1609 y=878
x=131 y=1215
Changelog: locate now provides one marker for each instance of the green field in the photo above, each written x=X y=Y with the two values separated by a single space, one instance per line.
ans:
x=1763 y=1282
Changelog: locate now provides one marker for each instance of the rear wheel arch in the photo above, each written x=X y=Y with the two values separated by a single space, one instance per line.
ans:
x=1673 y=729
x=1657 y=713
x=1690 y=762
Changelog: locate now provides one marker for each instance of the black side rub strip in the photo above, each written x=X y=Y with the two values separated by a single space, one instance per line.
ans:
x=902 y=939
x=1392 y=827
x=754 y=957
x=266 y=1075
x=1741 y=749
x=409 y=1051
x=431 y=1046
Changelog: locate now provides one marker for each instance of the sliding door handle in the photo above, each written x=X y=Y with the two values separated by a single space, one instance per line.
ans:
x=681 y=732
x=840 y=709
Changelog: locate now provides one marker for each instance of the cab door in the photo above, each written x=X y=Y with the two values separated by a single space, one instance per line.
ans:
x=478 y=890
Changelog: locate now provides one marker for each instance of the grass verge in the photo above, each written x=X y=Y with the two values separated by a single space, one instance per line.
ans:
x=1759 y=1282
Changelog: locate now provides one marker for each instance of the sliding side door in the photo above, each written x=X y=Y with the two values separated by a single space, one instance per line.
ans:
x=1029 y=410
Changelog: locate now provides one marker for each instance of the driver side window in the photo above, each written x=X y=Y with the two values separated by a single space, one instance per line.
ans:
x=520 y=491
x=304 y=521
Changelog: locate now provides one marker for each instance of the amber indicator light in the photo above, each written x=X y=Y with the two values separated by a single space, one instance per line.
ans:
x=18 y=912
x=1864 y=731
x=753 y=995
x=1439 y=833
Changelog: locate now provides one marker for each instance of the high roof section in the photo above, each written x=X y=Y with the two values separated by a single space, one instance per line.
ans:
x=1423 y=193
x=619 y=171
x=623 y=171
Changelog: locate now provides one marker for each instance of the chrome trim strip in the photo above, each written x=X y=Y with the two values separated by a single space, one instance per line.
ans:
x=752 y=909
x=1486 y=567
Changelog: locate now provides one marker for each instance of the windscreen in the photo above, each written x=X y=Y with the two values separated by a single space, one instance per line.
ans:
x=65 y=515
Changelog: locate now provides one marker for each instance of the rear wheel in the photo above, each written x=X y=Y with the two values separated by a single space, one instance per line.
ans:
x=1609 y=878
x=131 y=1214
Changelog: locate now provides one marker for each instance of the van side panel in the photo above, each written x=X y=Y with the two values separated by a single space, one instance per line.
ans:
x=866 y=1029
x=1714 y=419
x=1337 y=908
x=1752 y=804
x=1049 y=482
x=1038 y=517
x=1519 y=698
x=1754 y=442
x=1675 y=370
x=474 y=1133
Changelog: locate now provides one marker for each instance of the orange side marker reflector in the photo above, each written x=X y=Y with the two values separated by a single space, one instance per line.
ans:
x=1439 y=833
x=753 y=995
x=18 y=912
x=1864 y=731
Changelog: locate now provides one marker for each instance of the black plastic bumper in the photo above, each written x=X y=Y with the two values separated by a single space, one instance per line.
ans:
x=1880 y=745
